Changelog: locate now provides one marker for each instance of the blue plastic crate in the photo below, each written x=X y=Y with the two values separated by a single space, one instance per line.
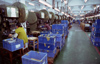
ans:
x=45 y=32
x=46 y=46
x=50 y=53
x=64 y=22
x=97 y=21
x=58 y=37
x=95 y=34
x=41 y=38
x=65 y=25
x=34 y=57
x=13 y=44
x=59 y=45
x=95 y=26
x=96 y=39
x=95 y=43
x=54 y=26
x=60 y=27
x=54 y=31
x=52 y=39
x=59 y=31
x=97 y=30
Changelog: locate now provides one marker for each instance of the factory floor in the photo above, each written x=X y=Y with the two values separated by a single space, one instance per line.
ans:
x=78 y=49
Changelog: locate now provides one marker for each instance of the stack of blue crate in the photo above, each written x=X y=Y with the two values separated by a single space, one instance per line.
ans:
x=58 y=29
x=73 y=21
x=45 y=32
x=78 y=21
x=58 y=40
x=95 y=34
x=65 y=23
x=47 y=44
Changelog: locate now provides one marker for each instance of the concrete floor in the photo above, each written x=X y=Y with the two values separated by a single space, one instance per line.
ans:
x=78 y=49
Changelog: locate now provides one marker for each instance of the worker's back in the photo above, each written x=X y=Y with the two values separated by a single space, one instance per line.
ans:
x=21 y=34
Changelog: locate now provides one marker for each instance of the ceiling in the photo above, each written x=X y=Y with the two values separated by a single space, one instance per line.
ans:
x=73 y=7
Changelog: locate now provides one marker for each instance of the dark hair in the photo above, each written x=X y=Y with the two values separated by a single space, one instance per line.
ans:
x=18 y=24
x=45 y=22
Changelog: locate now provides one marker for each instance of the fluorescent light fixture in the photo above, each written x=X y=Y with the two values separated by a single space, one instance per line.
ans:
x=31 y=4
x=94 y=8
x=32 y=10
x=82 y=7
x=85 y=1
x=81 y=15
x=57 y=9
x=97 y=15
x=48 y=9
x=44 y=8
x=45 y=3
x=71 y=11
x=98 y=6
x=69 y=8
x=75 y=15
x=65 y=2
x=62 y=12
x=81 y=18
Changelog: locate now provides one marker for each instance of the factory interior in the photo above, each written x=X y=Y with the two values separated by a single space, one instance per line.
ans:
x=49 y=32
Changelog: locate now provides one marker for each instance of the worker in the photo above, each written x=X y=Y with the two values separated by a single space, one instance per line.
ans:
x=47 y=26
x=21 y=34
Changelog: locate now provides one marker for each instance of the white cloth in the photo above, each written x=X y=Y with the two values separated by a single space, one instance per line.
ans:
x=25 y=46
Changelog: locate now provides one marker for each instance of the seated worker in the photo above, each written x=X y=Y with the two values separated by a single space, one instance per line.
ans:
x=21 y=34
x=47 y=26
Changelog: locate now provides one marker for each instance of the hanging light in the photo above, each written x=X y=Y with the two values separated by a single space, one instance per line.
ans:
x=57 y=9
x=85 y=1
x=45 y=3
x=69 y=8
x=32 y=10
x=65 y=2
x=82 y=7
x=31 y=4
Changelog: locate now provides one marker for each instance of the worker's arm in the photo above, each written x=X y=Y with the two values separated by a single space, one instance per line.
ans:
x=13 y=36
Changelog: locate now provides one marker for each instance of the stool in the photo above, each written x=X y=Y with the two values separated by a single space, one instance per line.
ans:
x=34 y=44
x=4 y=53
x=35 y=33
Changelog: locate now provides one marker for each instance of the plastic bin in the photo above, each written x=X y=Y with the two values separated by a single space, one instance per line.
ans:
x=64 y=21
x=45 y=32
x=59 y=45
x=54 y=26
x=34 y=57
x=41 y=39
x=13 y=44
x=46 y=46
x=50 y=53
x=59 y=31
x=96 y=39
x=95 y=34
x=95 y=43
x=97 y=30
x=97 y=22
x=49 y=39
x=58 y=37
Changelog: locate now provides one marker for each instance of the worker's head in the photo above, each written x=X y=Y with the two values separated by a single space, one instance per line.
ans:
x=18 y=25
x=45 y=23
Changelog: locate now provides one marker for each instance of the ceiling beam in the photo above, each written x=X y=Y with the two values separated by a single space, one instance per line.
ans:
x=84 y=4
